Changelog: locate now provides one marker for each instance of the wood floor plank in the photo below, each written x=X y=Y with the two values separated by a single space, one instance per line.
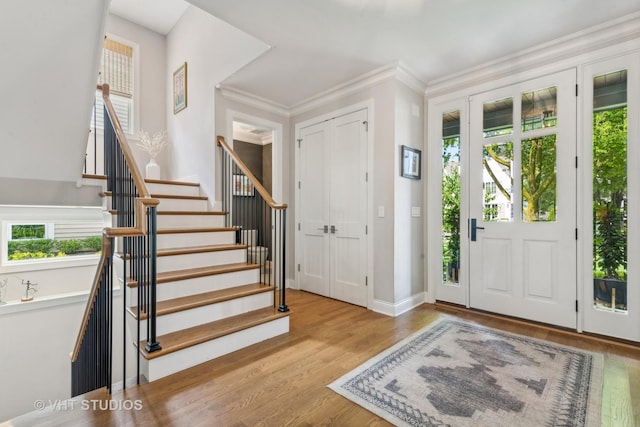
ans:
x=283 y=381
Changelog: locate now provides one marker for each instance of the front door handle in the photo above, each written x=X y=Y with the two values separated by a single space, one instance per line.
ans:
x=333 y=229
x=474 y=227
x=325 y=229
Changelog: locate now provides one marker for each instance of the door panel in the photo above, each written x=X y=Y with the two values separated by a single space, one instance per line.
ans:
x=522 y=187
x=348 y=208
x=315 y=211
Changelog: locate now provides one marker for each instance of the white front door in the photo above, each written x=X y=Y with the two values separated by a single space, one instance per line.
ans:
x=332 y=189
x=522 y=199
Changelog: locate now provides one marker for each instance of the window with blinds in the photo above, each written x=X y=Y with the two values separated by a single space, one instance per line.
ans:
x=116 y=70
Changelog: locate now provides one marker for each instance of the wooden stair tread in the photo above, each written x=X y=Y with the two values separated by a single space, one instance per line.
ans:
x=200 y=249
x=191 y=213
x=192 y=273
x=178 y=196
x=189 y=337
x=200 y=300
x=169 y=182
x=93 y=176
x=194 y=230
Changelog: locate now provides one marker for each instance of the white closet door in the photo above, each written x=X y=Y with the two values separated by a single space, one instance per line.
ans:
x=333 y=198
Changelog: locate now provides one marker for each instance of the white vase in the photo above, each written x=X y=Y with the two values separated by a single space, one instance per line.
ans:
x=153 y=169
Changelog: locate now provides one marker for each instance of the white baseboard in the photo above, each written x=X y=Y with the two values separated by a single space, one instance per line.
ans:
x=393 y=310
x=291 y=284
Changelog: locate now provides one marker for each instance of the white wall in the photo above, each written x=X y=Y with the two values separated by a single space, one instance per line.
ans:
x=24 y=191
x=213 y=50
x=37 y=366
x=408 y=229
x=48 y=90
x=150 y=84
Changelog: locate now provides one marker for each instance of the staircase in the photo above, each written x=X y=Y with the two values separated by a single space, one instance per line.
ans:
x=211 y=301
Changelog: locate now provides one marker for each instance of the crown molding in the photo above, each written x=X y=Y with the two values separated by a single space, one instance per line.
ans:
x=397 y=70
x=407 y=76
x=256 y=101
x=586 y=45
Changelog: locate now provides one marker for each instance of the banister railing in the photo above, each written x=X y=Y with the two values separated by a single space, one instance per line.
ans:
x=135 y=229
x=259 y=220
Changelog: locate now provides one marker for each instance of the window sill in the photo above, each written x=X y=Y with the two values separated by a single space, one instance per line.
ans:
x=49 y=263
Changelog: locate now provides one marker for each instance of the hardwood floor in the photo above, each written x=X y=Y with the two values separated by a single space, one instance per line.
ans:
x=283 y=381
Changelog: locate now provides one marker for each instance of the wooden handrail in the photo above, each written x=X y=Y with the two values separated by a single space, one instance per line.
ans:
x=143 y=202
x=124 y=145
x=97 y=282
x=256 y=184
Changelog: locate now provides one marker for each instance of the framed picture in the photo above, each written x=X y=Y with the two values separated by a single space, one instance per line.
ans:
x=242 y=186
x=411 y=162
x=180 y=89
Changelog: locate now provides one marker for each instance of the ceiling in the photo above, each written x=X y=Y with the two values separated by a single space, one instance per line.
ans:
x=319 y=44
x=157 y=15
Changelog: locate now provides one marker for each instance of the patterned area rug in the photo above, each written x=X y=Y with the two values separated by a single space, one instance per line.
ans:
x=454 y=373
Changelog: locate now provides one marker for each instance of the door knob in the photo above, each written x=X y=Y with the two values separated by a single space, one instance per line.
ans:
x=325 y=229
x=333 y=229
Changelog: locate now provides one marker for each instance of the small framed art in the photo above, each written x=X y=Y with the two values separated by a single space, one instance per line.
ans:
x=411 y=162
x=180 y=89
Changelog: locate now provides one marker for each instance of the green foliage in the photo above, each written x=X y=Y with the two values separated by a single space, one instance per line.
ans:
x=610 y=192
x=539 y=178
x=49 y=248
x=93 y=243
x=31 y=245
x=451 y=199
x=27 y=231
x=451 y=212
x=609 y=241
x=69 y=246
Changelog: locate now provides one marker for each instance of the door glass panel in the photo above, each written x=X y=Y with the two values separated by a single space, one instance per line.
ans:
x=539 y=179
x=497 y=118
x=451 y=197
x=497 y=182
x=539 y=109
x=610 y=191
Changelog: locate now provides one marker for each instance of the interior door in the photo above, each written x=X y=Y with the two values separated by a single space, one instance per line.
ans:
x=333 y=198
x=522 y=200
x=348 y=202
x=314 y=210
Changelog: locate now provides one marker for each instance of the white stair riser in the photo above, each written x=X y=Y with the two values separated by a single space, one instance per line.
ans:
x=196 y=316
x=197 y=260
x=183 y=205
x=174 y=190
x=200 y=259
x=190 y=221
x=186 y=240
x=199 y=285
x=177 y=361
